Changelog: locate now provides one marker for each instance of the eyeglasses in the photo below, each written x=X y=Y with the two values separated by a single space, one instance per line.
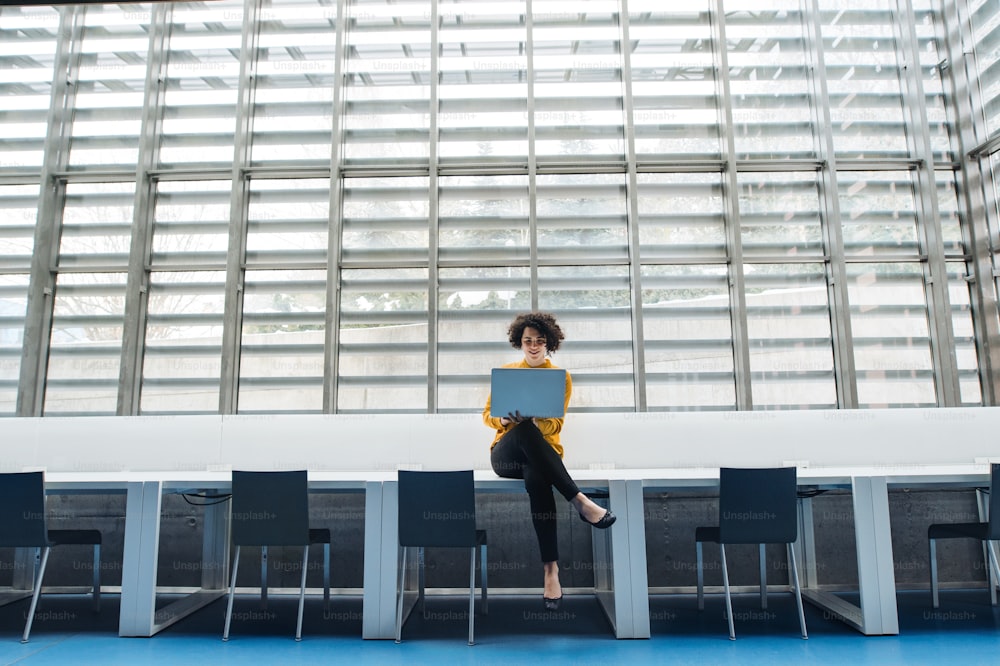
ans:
x=531 y=342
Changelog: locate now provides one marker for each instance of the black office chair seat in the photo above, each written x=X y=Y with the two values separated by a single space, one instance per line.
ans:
x=958 y=531
x=706 y=534
x=78 y=537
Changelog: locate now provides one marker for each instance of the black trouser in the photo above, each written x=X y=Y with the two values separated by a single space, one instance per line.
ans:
x=523 y=453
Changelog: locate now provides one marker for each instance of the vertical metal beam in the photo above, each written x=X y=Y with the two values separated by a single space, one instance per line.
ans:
x=432 y=219
x=833 y=239
x=529 y=47
x=232 y=318
x=331 y=344
x=140 y=246
x=928 y=220
x=958 y=74
x=731 y=210
x=41 y=285
x=632 y=213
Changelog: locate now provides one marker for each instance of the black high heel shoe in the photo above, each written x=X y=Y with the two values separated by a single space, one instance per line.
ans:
x=606 y=521
x=551 y=604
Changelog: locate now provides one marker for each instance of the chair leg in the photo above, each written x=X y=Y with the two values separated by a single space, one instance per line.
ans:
x=992 y=567
x=302 y=591
x=798 y=590
x=701 y=575
x=326 y=576
x=232 y=593
x=934 y=582
x=482 y=578
x=472 y=595
x=725 y=585
x=400 y=573
x=97 y=578
x=263 y=577
x=420 y=581
x=34 y=594
x=763 y=576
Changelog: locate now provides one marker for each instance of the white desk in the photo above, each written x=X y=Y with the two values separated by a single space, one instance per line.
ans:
x=623 y=452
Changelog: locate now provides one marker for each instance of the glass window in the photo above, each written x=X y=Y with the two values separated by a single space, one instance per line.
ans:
x=383 y=340
x=862 y=71
x=958 y=289
x=791 y=344
x=86 y=344
x=288 y=222
x=109 y=89
x=878 y=214
x=18 y=212
x=483 y=107
x=673 y=80
x=687 y=329
x=483 y=219
x=582 y=217
x=27 y=60
x=578 y=84
x=281 y=349
x=788 y=310
x=13 y=305
x=183 y=351
x=769 y=80
x=779 y=215
x=681 y=217
x=202 y=84
x=96 y=225
x=592 y=304
x=191 y=224
x=387 y=86
x=932 y=63
x=294 y=83
x=892 y=351
x=476 y=305
x=385 y=220
x=984 y=21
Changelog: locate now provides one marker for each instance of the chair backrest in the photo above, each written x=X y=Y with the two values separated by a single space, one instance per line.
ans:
x=758 y=505
x=437 y=508
x=994 y=505
x=22 y=510
x=270 y=508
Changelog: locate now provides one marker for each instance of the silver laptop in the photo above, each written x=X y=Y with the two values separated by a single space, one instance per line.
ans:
x=531 y=391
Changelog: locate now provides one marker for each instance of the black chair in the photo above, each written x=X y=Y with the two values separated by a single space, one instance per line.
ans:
x=317 y=536
x=23 y=524
x=757 y=506
x=270 y=509
x=986 y=532
x=438 y=509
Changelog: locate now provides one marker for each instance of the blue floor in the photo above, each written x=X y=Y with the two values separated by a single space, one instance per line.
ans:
x=965 y=629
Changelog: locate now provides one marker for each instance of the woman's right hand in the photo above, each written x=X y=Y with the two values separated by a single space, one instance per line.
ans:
x=515 y=417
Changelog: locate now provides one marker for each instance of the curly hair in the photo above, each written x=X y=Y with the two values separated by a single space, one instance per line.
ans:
x=542 y=322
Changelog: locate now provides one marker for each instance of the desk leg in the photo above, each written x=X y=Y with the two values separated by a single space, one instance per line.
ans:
x=381 y=557
x=139 y=615
x=215 y=548
x=876 y=576
x=142 y=529
x=877 y=614
x=620 y=580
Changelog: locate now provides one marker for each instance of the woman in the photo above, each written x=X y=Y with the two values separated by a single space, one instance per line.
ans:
x=529 y=448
